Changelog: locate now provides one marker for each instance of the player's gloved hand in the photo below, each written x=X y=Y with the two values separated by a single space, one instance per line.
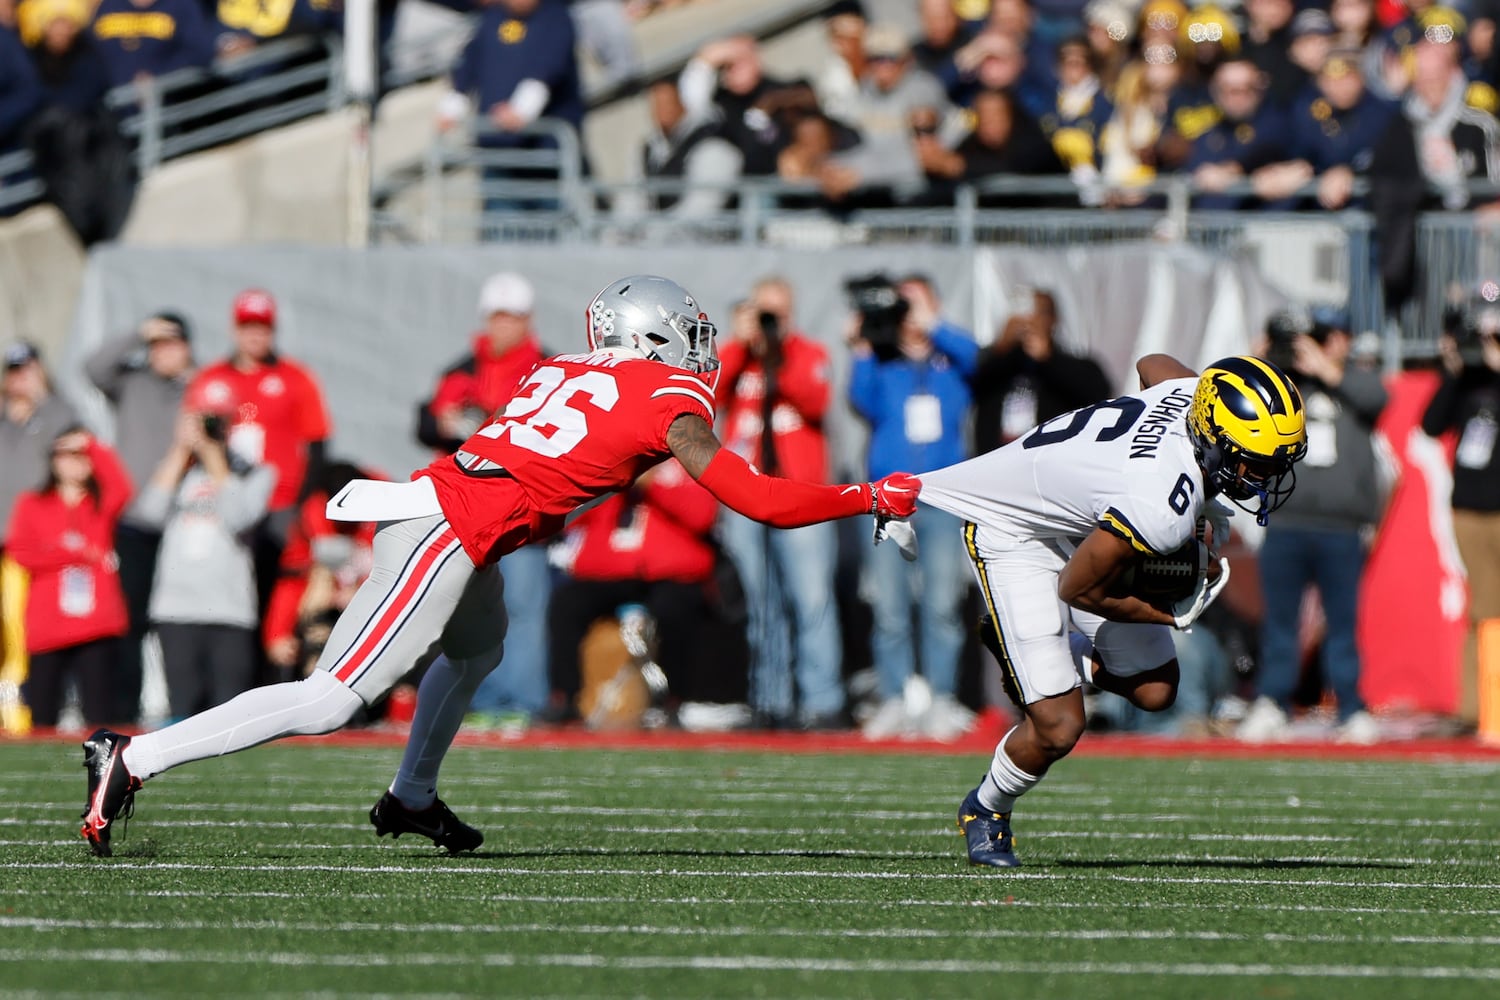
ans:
x=1187 y=610
x=1217 y=515
x=895 y=496
x=900 y=531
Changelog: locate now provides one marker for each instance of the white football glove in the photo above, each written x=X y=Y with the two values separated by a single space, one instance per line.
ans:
x=1217 y=515
x=1187 y=610
x=900 y=531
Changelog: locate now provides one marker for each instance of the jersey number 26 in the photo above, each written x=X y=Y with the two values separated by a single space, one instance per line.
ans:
x=541 y=416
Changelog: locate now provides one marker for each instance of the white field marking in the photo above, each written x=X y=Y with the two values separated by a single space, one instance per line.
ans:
x=853 y=852
x=758 y=963
x=353 y=927
x=119 y=865
x=821 y=902
x=1295 y=818
x=933 y=829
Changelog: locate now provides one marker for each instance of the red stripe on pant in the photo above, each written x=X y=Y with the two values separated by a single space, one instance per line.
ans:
x=414 y=584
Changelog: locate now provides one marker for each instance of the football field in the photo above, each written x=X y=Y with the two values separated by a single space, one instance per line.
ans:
x=615 y=873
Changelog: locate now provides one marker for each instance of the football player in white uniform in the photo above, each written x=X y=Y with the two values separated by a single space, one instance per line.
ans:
x=1054 y=520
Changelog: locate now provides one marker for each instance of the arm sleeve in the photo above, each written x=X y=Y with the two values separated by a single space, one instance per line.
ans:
x=313 y=415
x=864 y=389
x=244 y=499
x=115 y=487
x=1442 y=410
x=696 y=88
x=105 y=366
x=805 y=385
x=465 y=77
x=958 y=345
x=152 y=506
x=1366 y=395
x=781 y=503
x=34 y=549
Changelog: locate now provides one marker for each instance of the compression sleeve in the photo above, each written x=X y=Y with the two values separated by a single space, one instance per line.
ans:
x=781 y=503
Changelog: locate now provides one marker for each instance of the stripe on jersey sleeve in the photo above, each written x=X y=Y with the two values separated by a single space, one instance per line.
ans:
x=706 y=400
x=1117 y=523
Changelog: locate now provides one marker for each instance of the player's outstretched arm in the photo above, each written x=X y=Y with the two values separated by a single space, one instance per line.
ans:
x=782 y=503
x=1154 y=368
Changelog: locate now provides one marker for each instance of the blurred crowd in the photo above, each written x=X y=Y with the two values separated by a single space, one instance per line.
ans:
x=1262 y=103
x=198 y=536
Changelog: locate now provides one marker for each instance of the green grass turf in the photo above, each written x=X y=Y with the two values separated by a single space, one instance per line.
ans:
x=729 y=875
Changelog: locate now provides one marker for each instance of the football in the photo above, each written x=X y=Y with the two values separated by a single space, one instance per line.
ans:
x=1162 y=579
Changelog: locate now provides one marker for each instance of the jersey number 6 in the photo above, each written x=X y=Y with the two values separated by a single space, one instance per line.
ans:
x=541 y=416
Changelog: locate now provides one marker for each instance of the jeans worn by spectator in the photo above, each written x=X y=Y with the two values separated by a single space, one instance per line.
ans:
x=1290 y=560
x=788 y=581
x=521 y=682
x=937 y=591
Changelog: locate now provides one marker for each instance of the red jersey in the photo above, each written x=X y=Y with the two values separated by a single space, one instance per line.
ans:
x=579 y=426
x=485 y=379
x=75 y=595
x=279 y=412
x=657 y=531
x=803 y=391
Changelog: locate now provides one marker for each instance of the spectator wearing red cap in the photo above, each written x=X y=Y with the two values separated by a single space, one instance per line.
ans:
x=281 y=421
x=503 y=352
x=205 y=501
x=62 y=534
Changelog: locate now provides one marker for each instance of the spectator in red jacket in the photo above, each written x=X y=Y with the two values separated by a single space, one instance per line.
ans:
x=282 y=422
x=504 y=353
x=63 y=535
x=774 y=390
x=650 y=546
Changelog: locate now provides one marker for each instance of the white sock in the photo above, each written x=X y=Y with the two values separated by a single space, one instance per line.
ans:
x=442 y=700
x=1005 y=782
x=316 y=704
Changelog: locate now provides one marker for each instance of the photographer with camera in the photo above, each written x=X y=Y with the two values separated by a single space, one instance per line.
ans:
x=910 y=381
x=206 y=501
x=1024 y=378
x=1468 y=400
x=1320 y=537
x=773 y=392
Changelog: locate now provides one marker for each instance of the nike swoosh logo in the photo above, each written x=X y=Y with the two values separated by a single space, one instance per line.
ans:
x=434 y=832
x=341 y=500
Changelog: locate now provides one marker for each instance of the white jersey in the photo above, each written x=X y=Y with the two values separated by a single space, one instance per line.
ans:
x=1125 y=464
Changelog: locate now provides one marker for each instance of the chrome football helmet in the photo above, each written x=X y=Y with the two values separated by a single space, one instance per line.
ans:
x=657 y=317
x=1248 y=429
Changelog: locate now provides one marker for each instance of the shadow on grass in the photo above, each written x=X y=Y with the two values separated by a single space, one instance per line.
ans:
x=1244 y=864
x=621 y=852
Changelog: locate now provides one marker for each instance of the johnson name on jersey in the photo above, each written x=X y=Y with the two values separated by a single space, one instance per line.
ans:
x=1125 y=463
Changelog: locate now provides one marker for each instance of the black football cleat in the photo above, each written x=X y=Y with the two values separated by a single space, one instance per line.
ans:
x=987 y=834
x=437 y=823
x=111 y=788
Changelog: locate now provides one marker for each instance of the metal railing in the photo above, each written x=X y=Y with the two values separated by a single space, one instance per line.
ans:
x=19 y=187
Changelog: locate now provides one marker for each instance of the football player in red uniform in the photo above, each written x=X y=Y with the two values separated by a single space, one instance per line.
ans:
x=580 y=426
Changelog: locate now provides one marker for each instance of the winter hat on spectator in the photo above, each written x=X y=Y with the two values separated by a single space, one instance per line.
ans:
x=506 y=292
x=1312 y=21
x=20 y=354
x=1343 y=60
x=1163 y=15
x=1211 y=24
x=886 y=41
x=1442 y=24
x=1114 y=16
x=254 y=305
x=33 y=16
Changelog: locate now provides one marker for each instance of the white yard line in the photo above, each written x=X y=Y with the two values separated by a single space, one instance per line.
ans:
x=822 y=902
x=757 y=963
x=653 y=930
x=487 y=871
